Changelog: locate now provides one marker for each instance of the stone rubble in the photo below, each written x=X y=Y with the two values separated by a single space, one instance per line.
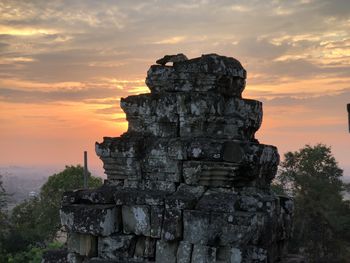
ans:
x=188 y=182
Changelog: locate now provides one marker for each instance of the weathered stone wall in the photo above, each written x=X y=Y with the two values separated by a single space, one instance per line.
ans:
x=188 y=181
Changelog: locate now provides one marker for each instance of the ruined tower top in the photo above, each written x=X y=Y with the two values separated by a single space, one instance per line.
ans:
x=207 y=73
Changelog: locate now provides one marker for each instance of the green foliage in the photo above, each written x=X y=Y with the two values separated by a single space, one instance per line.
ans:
x=3 y=204
x=3 y=216
x=36 y=221
x=31 y=255
x=25 y=228
x=51 y=194
x=3 y=199
x=322 y=219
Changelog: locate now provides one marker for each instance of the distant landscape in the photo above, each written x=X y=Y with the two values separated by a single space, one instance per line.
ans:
x=20 y=181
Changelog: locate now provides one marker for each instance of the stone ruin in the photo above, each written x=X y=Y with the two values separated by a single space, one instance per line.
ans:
x=188 y=182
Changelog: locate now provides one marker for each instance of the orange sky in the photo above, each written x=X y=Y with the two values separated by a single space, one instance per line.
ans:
x=65 y=64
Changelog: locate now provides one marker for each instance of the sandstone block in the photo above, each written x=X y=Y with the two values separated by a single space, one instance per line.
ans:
x=235 y=229
x=157 y=216
x=82 y=244
x=158 y=127
x=123 y=167
x=184 y=198
x=196 y=226
x=74 y=258
x=203 y=254
x=101 y=195
x=145 y=248
x=166 y=251
x=116 y=246
x=164 y=186
x=118 y=147
x=216 y=174
x=172 y=225
x=136 y=220
x=142 y=197
x=91 y=219
x=172 y=58
x=217 y=202
x=184 y=252
x=229 y=254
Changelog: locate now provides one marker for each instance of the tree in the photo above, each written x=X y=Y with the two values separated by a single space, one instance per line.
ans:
x=51 y=195
x=3 y=214
x=322 y=219
x=35 y=222
x=2 y=195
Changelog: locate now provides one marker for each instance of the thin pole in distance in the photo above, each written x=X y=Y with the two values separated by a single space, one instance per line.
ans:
x=85 y=170
x=348 y=106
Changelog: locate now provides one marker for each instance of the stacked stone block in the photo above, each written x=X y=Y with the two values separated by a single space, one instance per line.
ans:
x=188 y=181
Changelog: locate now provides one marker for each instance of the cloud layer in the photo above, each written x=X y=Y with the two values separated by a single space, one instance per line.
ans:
x=87 y=54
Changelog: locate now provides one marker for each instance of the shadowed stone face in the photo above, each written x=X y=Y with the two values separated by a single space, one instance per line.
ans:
x=188 y=182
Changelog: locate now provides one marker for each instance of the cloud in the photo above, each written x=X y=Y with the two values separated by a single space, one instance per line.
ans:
x=3 y=46
x=335 y=8
x=109 y=110
x=260 y=48
x=13 y=31
x=80 y=40
x=69 y=65
x=60 y=95
x=171 y=40
x=323 y=110
x=104 y=101
x=89 y=53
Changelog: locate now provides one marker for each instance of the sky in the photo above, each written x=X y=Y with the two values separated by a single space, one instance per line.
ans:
x=64 y=65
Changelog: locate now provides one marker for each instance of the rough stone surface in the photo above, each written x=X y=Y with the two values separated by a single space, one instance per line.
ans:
x=172 y=225
x=188 y=182
x=203 y=254
x=136 y=220
x=55 y=256
x=82 y=244
x=184 y=252
x=172 y=58
x=166 y=251
x=116 y=246
x=91 y=219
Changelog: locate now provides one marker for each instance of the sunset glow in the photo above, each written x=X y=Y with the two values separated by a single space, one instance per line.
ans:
x=64 y=66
